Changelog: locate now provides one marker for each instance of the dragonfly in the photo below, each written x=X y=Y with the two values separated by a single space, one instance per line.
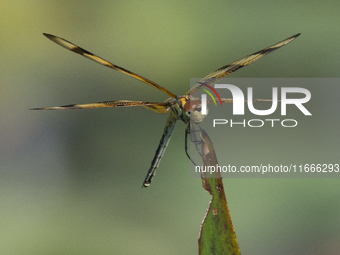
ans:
x=185 y=108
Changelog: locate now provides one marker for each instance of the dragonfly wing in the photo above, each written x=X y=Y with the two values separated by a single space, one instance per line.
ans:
x=237 y=64
x=169 y=128
x=230 y=100
x=156 y=107
x=72 y=47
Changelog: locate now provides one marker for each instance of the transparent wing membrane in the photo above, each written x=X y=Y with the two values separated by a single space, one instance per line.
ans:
x=156 y=107
x=76 y=49
x=237 y=64
x=230 y=100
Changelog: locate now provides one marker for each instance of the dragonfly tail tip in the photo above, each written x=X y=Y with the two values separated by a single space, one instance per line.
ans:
x=145 y=185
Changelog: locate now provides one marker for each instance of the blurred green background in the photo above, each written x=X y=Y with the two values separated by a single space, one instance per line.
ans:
x=71 y=180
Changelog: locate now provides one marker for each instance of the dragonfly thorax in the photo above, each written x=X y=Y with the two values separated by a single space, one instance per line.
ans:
x=187 y=109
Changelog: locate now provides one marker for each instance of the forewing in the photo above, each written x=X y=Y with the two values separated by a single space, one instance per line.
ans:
x=237 y=64
x=155 y=107
x=72 y=47
x=230 y=100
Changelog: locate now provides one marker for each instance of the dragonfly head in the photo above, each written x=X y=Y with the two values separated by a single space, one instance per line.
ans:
x=192 y=111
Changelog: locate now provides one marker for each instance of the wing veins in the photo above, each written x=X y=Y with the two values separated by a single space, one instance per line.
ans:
x=153 y=106
x=237 y=64
x=76 y=49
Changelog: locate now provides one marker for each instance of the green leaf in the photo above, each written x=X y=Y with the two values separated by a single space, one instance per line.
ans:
x=217 y=235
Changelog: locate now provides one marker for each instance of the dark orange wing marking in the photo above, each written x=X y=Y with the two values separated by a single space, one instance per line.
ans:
x=155 y=107
x=237 y=64
x=76 y=49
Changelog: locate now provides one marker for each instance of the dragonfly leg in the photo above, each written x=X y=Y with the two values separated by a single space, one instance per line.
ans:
x=192 y=133
x=194 y=139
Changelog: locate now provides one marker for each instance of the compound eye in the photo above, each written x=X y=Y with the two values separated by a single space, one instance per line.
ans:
x=193 y=110
x=187 y=107
x=192 y=105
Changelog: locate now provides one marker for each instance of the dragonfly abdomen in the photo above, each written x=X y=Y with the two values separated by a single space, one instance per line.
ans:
x=169 y=128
